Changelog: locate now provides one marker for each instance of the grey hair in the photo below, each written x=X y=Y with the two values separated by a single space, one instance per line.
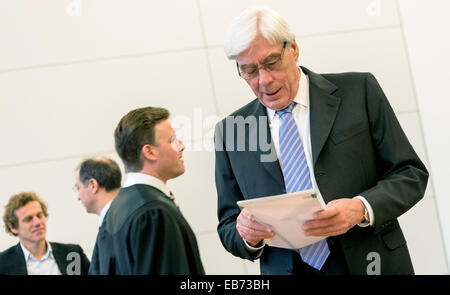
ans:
x=251 y=22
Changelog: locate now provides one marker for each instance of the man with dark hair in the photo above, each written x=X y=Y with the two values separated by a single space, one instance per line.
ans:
x=144 y=232
x=25 y=217
x=97 y=182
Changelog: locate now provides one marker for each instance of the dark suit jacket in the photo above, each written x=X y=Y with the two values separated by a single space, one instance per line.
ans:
x=358 y=148
x=145 y=233
x=12 y=260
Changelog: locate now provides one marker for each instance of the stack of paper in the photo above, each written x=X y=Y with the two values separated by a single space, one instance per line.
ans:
x=285 y=214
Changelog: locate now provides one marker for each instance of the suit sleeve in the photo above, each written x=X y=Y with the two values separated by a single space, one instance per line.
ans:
x=94 y=266
x=228 y=193
x=402 y=176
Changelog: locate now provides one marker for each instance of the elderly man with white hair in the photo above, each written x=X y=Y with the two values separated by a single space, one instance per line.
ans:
x=333 y=133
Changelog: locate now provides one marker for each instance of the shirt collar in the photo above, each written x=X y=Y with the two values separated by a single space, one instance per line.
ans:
x=103 y=213
x=302 y=96
x=28 y=254
x=141 y=178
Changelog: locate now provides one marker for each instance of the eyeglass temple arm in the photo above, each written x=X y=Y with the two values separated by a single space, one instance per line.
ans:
x=237 y=66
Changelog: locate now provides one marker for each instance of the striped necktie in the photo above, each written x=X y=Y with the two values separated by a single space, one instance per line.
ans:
x=296 y=178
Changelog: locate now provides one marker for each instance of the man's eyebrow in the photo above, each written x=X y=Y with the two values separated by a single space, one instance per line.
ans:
x=27 y=217
x=31 y=215
x=266 y=59
x=270 y=56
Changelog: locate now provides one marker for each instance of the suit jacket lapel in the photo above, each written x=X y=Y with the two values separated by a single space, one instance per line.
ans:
x=59 y=258
x=19 y=261
x=323 y=110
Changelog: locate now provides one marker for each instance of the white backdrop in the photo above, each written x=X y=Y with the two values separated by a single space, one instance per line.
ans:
x=69 y=70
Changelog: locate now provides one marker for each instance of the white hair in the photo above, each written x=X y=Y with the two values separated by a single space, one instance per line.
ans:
x=251 y=22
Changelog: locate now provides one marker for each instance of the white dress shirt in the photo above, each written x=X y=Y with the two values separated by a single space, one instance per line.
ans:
x=44 y=266
x=301 y=117
x=103 y=213
x=141 y=178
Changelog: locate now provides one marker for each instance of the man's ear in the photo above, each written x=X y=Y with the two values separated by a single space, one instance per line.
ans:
x=93 y=185
x=296 y=50
x=11 y=228
x=149 y=152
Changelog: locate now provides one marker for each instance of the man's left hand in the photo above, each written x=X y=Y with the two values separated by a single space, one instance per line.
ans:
x=336 y=218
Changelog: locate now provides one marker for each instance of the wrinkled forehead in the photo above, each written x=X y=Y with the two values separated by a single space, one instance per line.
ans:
x=258 y=50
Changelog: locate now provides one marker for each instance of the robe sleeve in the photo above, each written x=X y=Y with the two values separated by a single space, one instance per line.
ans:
x=158 y=243
x=85 y=264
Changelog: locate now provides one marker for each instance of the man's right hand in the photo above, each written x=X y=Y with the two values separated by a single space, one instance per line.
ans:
x=250 y=230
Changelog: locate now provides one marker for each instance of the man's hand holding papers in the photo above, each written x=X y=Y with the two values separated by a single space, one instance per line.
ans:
x=336 y=218
x=251 y=230
x=283 y=215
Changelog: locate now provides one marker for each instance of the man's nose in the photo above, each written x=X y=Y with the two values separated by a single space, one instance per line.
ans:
x=181 y=145
x=36 y=221
x=264 y=77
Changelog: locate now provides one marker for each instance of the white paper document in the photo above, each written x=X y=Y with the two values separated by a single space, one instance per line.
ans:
x=285 y=214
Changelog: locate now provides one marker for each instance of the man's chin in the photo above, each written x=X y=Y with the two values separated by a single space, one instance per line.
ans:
x=179 y=172
x=39 y=237
x=275 y=104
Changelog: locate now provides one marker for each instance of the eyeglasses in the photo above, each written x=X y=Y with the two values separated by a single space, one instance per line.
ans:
x=75 y=188
x=176 y=143
x=270 y=63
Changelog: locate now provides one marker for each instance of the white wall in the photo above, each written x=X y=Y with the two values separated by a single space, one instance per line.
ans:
x=426 y=28
x=69 y=70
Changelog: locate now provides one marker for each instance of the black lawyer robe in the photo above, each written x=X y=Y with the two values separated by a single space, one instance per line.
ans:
x=145 y=233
